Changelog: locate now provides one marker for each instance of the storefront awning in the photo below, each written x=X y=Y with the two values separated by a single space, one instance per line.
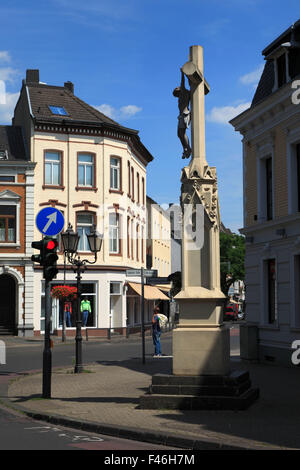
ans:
x=164 y=288
x=150 y=292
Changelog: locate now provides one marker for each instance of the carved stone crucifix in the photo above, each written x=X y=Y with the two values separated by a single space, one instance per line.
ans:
x=193 y=69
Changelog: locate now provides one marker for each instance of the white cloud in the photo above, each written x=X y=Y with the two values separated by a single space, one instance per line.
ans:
x=224 y=114
x=130 y=110
x=4 y=56
x=7 y=108
x=108 y=110
x=252 y=78
x=125 y=112
x=8 y=74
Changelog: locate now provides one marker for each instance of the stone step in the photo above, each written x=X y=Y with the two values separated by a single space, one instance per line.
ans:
x=185 y=402
x=234 y=378
x=201 y=390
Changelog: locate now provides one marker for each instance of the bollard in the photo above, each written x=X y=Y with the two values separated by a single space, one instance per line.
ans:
x=2 y=353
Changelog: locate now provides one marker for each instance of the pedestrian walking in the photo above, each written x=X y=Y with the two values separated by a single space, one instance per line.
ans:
x=156 y=332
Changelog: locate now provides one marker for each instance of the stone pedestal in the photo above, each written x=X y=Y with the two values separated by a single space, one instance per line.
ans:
x=212 y=392
x=198 y=351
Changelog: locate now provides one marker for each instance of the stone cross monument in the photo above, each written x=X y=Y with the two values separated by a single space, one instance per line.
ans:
x=201 y=377
x=201 y=341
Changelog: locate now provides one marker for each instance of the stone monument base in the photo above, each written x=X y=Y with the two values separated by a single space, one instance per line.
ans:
x=201 y=350
x=202 y=392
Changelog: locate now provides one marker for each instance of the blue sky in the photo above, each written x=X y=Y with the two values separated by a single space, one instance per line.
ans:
x=124 y=57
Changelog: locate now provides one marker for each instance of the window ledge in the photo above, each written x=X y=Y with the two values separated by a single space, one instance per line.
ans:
x=50 y=186
x=115 y=254
x=9 y=245
x=86 y=188
x=116 y=191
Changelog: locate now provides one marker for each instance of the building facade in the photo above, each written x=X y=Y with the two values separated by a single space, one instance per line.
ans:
x=94 y=171
x=158 y=239
x=16 y=234
x=271 y=169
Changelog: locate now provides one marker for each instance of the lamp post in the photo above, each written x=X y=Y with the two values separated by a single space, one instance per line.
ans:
x=70 y=241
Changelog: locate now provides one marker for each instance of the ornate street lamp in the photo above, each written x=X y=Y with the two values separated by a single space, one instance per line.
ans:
x=70 y=240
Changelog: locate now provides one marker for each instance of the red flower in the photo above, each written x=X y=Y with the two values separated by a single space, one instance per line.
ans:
x=64 y=292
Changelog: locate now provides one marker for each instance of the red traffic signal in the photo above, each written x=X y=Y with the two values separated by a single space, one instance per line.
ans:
x=51 y=244
x=50 y=258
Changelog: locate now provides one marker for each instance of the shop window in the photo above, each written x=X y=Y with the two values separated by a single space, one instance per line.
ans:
x=115 y=305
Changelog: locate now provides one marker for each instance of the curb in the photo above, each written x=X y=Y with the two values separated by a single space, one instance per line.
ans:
x=135 y=434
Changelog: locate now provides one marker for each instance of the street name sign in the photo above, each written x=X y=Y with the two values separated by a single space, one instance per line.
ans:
x=158 y=280
x=138 y=272
x=50 y=221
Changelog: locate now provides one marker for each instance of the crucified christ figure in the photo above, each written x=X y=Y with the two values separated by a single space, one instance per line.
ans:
x=184 y=117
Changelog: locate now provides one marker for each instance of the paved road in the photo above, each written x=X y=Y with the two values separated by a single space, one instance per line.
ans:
x=20 y=433
x=30 y=358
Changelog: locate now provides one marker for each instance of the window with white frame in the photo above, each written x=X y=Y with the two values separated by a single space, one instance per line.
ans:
x=115 y=173
x=114 y=233
x=85 y=169
x=7 y=224
x=53 y=161
x=85 y=222
x=9 y=218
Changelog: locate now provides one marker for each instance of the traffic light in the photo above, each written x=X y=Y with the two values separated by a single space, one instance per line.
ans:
x=38 y=246
x=49 y=258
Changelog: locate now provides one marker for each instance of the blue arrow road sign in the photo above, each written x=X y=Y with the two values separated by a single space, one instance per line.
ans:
x=50 y=221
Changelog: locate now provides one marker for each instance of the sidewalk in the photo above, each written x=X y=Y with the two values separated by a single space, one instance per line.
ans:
x=105 y=399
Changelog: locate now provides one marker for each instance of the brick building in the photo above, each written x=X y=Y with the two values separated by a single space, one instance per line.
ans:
x=16 y=233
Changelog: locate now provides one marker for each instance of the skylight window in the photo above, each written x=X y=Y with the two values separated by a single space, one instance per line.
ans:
x=58 y=110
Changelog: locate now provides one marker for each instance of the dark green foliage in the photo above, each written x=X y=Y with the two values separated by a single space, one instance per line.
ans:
x=232 y=253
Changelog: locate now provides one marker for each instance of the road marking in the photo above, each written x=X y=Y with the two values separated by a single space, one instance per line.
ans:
x=73 y=438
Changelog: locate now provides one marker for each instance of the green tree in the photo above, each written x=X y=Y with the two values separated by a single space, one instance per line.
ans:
x=232 y=253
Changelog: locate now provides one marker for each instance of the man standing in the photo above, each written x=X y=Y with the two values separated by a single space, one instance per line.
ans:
x=85 y=308
x=156 y=332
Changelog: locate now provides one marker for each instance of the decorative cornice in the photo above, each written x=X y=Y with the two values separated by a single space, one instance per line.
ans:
x=86 y=205
x=53 y=203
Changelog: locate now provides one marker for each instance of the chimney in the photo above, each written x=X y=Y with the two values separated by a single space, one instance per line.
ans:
x=69 y=86
x=32 y=76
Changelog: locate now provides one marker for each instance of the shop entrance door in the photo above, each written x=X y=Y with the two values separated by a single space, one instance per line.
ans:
x=8 y=304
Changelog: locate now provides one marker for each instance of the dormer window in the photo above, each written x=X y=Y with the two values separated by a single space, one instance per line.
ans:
x=58 y=110
x=281 y=70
